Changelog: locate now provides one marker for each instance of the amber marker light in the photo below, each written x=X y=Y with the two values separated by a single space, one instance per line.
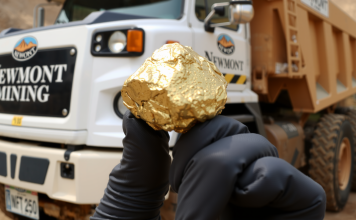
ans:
x=171 y=41
x=134 y=41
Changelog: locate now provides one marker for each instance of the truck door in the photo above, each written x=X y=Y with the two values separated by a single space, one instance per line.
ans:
x=227 y=47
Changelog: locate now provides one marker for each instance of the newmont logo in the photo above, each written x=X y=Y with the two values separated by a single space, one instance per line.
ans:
x=25 y=49
x=226 y=44
x=29 y=84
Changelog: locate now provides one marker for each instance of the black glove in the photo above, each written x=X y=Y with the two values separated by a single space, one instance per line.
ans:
x=138 y=184
x=222 y=170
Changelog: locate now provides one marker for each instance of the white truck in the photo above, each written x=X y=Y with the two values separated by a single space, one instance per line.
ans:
x=60 y=105
x=61 y=108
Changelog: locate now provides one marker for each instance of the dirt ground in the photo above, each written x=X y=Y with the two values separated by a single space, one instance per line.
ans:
x=349 y=212
x=3 y=216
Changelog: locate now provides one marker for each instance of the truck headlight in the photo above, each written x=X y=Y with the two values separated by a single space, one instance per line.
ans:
x=118 y=42
x=119 y=106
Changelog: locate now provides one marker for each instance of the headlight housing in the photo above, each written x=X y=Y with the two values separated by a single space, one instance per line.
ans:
x=119 y=42
x=119 y=106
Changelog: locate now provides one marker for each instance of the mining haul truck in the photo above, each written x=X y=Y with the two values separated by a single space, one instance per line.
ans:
x=290 y=65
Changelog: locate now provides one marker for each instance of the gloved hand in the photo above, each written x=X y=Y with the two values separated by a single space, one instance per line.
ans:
x=220 y=170
x=138 y=184
x=208 y=160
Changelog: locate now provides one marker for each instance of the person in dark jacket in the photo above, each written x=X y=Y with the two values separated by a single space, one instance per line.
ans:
x=220 y=171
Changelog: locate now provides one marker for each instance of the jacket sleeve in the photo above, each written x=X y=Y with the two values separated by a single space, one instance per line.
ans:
x=211 y=175
x=272 y=189
x=138 y=184
x=238 y=175
x=197 y=138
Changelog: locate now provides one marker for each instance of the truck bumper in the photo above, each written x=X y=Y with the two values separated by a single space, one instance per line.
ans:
x=91 y=170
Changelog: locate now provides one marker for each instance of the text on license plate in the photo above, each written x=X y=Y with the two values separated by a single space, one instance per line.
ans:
x=22 y=202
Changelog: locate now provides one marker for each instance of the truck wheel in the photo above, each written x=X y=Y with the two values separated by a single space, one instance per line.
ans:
x=352 y=115
x=2 y=205
x=331 y=159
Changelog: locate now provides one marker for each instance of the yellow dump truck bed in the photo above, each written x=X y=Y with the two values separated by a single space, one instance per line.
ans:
x=306 y=47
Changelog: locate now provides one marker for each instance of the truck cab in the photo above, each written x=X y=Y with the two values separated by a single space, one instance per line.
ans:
x=60 y=101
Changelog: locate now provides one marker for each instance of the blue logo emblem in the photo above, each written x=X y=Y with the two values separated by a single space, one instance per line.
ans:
x=25 y=49
x=226 y=44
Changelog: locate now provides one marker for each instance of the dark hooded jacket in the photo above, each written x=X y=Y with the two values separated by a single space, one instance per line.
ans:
x=220 y=170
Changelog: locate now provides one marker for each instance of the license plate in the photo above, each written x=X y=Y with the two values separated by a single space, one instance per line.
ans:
x=22 y=202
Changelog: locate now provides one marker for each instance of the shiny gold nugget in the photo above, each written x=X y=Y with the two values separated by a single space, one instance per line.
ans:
x=175 y=88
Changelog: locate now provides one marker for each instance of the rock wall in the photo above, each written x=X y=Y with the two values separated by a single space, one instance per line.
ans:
x=19 y=13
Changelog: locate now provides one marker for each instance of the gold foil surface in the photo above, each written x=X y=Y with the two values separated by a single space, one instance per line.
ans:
x=175 y=88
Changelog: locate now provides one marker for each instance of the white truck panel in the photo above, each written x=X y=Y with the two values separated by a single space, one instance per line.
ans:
x=77 y=137
x=109 y=74
x=92 y=169
x=62 y=37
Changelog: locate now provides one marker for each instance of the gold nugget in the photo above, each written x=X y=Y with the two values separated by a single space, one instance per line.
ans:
x=175 y=88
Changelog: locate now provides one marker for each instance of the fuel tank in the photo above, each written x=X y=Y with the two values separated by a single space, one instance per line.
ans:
x=288 y=137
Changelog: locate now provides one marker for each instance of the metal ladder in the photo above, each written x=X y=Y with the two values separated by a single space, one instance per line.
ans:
x=293 y=48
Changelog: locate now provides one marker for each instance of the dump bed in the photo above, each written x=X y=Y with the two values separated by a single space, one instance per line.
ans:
x=305 y=47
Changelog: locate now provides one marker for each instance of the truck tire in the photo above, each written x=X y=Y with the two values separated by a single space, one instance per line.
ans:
x=331 y=159
x=2 y=204
x=352 y=115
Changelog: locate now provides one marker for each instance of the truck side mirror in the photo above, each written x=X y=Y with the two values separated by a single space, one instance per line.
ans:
x=40 y=17
x=240 y=12
x=220 y=10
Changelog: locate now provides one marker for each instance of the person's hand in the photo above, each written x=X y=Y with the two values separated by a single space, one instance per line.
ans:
x=137 y=185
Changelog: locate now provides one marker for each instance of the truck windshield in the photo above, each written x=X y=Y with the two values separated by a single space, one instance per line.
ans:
x=75 y=10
